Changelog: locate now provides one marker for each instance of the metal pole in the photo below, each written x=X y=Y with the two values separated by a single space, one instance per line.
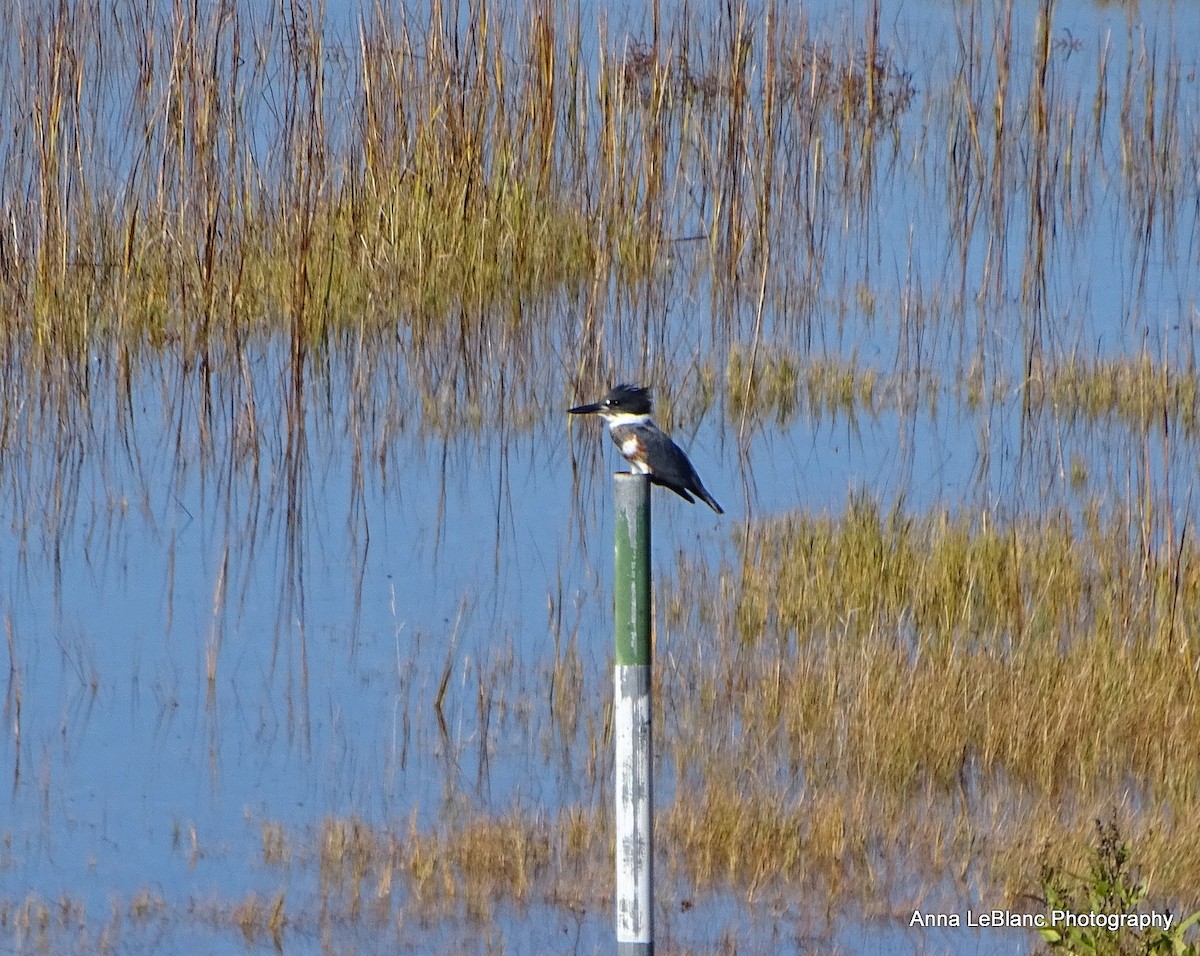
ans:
x=631 y=716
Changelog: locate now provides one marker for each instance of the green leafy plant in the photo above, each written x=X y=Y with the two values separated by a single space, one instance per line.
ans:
x=1110 y=886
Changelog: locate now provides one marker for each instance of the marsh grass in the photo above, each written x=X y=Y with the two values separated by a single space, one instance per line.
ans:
x=1145 y=393
x=457 y=219
x=1141 y=392
x=197 y=174
x=260 y=919
x=901 y=701
x=881 y=662
x=193 y=178
x=785 y=386
x=203 y=174
x=463 y=867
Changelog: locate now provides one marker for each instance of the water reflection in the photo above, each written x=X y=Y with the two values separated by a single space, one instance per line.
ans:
x=264 y=576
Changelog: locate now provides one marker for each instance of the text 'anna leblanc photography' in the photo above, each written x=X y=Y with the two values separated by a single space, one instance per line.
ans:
x=1053 y=918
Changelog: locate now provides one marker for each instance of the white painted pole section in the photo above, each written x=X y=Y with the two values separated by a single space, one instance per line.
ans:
x=635 y=811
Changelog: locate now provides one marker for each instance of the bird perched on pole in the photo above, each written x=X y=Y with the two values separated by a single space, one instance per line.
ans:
x=648 y=449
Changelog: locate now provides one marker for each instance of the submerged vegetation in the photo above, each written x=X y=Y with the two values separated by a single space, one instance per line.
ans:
x=237 y=245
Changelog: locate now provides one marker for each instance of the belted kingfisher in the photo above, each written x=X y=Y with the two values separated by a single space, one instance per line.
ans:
x=647 y=448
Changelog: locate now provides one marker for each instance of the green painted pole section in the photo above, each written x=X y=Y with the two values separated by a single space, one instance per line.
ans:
x=634 y=740
x=631 y=577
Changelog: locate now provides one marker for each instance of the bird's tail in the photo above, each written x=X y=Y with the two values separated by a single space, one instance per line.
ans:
x=709 y=500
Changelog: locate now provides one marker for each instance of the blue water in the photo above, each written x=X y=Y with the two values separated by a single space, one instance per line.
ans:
x=330 y=580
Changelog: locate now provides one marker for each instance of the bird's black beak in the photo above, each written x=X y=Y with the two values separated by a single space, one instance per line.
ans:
x=584 y=409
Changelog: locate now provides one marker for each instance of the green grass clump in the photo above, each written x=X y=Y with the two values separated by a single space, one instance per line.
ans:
x=929 y=578
x=780 y=382
x=1136 y=391
x=936 y=577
